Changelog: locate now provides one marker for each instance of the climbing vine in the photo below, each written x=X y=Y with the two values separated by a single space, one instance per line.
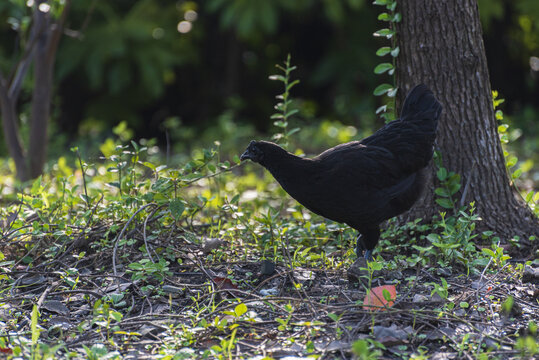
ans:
x=391 y=17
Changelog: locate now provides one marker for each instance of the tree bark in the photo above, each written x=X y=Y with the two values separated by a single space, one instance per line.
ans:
x=11 y=131
x=441 y=46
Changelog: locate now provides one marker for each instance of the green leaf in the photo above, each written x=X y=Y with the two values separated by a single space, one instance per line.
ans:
x=382 y=108
x=502 y=128
x=532 y=327
x=36 y=187
x=85 y=198
x=384 y=17
x=380 y=2
x=135 y=146
x=441 y=174
x=454 y=187
x=383 y=51
x=397 y=18
x=382 y=89
x=293 y=131
x=291 y=112
x=507 y=305
x=382 y=68
x=176 y=207
x=387 y=33
x=149 y=165
x=114 y=184
x=240 y=309
x=135 y=266
x=433 y=237
x=235 y=199
x=516 y=174
x=395 y=52
x=441 y=192
x=292 y=84
x=333 y=317
x=375 y=265
x=421 y=248
x=278 y=78
x=386 y=295
x=116 y=315
x=33 y=325
x=445 y=203
x=488 y=252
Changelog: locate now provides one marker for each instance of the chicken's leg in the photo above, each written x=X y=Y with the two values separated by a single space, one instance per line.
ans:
x=361 y=250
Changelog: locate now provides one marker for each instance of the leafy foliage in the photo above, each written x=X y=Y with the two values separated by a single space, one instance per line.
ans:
x=283 y=107
x=506 y=136
x=135 y=63
x=449 y=185
x=391 y=17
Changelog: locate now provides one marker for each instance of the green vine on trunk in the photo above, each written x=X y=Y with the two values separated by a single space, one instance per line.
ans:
x=392 y=17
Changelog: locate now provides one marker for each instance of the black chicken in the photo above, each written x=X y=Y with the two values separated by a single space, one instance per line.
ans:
x=362 y=183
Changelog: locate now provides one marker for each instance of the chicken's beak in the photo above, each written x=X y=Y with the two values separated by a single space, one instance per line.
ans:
x=246 y=155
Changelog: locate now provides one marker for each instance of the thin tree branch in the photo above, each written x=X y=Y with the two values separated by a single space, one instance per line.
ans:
x=57 y=33
x=21 y=69
x=88 y=17
x=23 y=65
x=79 y=34
x=3 y=88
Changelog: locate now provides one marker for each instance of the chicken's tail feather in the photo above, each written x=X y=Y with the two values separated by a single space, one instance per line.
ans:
x=411 y=138
x=421 y=101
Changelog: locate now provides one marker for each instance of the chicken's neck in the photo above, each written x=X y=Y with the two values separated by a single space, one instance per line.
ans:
x=291 y=171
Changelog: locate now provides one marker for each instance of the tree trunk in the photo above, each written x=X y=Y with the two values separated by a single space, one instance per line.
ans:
x=41 y=48
x=11 y=132
x=441 y=46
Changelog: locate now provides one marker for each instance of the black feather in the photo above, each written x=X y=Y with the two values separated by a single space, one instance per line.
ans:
x=362 y=183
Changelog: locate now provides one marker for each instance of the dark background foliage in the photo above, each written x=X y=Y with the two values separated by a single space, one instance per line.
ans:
x=127 y=61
